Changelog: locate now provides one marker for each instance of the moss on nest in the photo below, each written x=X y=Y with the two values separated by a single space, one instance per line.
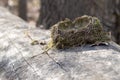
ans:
x=83 y=30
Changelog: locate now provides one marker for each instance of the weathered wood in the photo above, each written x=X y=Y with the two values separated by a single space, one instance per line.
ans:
x=21 y=61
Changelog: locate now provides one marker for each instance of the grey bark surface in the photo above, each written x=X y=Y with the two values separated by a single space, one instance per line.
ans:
x=108 y=11
x=21 y=61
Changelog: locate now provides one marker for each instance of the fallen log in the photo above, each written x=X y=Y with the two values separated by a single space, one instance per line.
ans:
x=19 y=60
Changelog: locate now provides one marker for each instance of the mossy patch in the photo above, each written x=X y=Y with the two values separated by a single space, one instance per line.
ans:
x=83 y=30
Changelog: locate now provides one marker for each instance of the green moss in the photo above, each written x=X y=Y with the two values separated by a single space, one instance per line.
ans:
x=66 y=24
x=83 y=30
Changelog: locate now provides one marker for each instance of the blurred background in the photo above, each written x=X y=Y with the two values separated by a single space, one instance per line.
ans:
x=26 y=9
x=45 y=13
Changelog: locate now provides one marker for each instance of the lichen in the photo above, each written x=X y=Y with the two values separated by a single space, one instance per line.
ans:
x=83 y=30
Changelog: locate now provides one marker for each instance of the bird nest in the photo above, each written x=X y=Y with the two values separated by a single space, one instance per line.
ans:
x=83 y=30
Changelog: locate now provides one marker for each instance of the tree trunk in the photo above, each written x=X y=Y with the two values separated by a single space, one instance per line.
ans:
x=53 y=11
x=117 y=22
x=23 y=9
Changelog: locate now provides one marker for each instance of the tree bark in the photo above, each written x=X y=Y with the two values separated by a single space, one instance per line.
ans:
x=117 y=22
x=22 y=9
